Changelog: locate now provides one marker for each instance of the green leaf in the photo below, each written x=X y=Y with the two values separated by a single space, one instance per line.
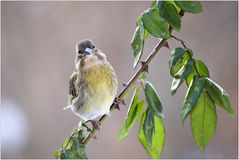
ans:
x=67 y=143
x=137 y=43
x=179 y=58
x=219 y=95
x=183 y=74
x=148 y=127
x=192 y=96
x=153 y=99
x=190 y=6
x=133 y=109
x=155 y=24
x=134 y=114
x=58 y=154
x=71 y=149
x=146 y=33
x=136 y=109
x=139 y=20
x=158 y=137
x=202 y=69
x=175 y=5
x=203 y=121
x=66 y=154
x=170 y=14
x=78 y=149
x=143 y=75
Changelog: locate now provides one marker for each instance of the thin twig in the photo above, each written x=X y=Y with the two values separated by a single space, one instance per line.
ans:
x=180 y=40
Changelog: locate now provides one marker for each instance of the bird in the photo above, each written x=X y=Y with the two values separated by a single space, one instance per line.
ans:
x=93 y=84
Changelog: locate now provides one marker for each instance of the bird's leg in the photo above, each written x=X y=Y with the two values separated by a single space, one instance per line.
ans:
x=118 y=102
x=88 y=128
x=95 y=124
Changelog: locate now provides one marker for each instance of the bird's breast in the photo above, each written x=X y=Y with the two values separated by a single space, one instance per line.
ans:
x=98 y=76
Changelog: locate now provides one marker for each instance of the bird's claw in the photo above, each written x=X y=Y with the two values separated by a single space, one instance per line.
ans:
x=95 y=124
x=118 y=102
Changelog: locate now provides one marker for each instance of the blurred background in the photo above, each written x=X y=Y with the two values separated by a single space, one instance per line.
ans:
x=37 y=59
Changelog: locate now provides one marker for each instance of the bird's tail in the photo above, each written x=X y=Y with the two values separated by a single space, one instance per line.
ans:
x=67 y=107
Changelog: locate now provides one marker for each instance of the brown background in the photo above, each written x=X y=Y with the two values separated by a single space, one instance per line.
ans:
x=37 y=58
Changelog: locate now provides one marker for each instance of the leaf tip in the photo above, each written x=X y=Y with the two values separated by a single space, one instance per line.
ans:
x=135 y=64
x=201 y=148
x=57 y=154
x=172 y=92
x=183 y=117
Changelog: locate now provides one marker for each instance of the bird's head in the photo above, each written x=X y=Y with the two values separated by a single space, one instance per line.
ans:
x=84 y=48
x=87 y=54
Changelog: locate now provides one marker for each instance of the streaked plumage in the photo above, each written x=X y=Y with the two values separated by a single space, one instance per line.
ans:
x=93 y=84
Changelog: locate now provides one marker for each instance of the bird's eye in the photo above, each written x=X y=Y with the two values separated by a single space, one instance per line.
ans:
x=80 y=51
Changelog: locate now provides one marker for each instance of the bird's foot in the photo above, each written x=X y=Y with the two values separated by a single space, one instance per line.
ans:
x=95 y=124
x=118 y=102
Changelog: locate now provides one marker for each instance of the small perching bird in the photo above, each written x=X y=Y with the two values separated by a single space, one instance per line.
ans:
x=93 y=85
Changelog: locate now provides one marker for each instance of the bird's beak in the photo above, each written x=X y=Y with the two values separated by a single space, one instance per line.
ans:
x=87 y=51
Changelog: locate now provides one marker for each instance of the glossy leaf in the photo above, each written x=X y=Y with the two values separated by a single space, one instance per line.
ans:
x=139 y=19
x=72 y=148
x=66 y=154
x=179 y=58
x=158 y=137
x=77 y=149
x=67 y=143
x=175 y=5
x=58 y=154
x=136 y=109
x=146 y=33
x=190 y=6
x=155 y=24
x=192 y=96
x=170 y=14
x=202 y=69
x=148 y=127
x=203 y=121
x=219 y=95
x=138 y=22
x=183 y=74
x=143 y=75
x=153 y=99
x=137 y=43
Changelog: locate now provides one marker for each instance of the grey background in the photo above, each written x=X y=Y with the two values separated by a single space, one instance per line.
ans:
x=37 y=57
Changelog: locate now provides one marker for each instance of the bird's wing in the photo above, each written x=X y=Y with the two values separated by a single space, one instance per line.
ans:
x=72 y=87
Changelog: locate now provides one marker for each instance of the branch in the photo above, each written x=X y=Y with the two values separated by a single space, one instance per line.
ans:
x=130 y=83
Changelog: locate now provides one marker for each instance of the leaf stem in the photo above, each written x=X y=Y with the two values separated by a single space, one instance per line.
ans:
x=130 y=83
x=184 y=45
